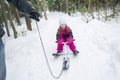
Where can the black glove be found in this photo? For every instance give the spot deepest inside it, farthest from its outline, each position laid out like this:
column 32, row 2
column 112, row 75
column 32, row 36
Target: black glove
column 8, row 0
column 34, row 15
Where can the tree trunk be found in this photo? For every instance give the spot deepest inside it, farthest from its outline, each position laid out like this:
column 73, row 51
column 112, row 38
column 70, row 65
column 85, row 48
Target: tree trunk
column 89, row 5
column 28, row 23
column 66, row 6
column 11, row 23
column 113, row 9
column 13, row 26
column 16, row 13
column 106, row 11
column 6, row 26
column 44, row 7
column 4, row 19
column 78, row 5
column 98, row 10
column 39, row 4
column 59, row 5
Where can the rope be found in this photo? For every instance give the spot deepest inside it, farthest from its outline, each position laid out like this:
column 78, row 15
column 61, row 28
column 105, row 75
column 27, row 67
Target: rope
column 56, row 77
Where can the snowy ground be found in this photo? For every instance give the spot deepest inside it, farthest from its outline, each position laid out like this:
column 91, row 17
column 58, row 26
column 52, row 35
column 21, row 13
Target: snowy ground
column 98, row 43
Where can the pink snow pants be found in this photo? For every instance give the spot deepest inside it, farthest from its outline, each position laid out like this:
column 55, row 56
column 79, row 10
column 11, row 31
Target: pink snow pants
column 70, row 43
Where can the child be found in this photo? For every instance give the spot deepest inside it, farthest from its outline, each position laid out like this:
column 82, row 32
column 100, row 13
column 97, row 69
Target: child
column 64, row 34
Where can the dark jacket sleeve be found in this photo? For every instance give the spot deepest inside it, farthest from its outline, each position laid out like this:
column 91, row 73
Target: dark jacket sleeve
column 1, row 30
column 57, row 35
column 70, row 33
column 26, row 7
column 22, row 5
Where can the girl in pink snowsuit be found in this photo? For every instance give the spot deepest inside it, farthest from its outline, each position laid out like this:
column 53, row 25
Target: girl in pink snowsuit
column 64, row 34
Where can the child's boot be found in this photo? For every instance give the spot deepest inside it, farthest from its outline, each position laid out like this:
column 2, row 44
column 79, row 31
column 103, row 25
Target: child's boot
column 59, row 51
column 75, row 52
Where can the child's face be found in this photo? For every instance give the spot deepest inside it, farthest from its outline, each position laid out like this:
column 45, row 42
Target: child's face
column 63, row 26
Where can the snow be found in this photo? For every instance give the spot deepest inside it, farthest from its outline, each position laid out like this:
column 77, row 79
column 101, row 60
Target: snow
column 97, row 41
